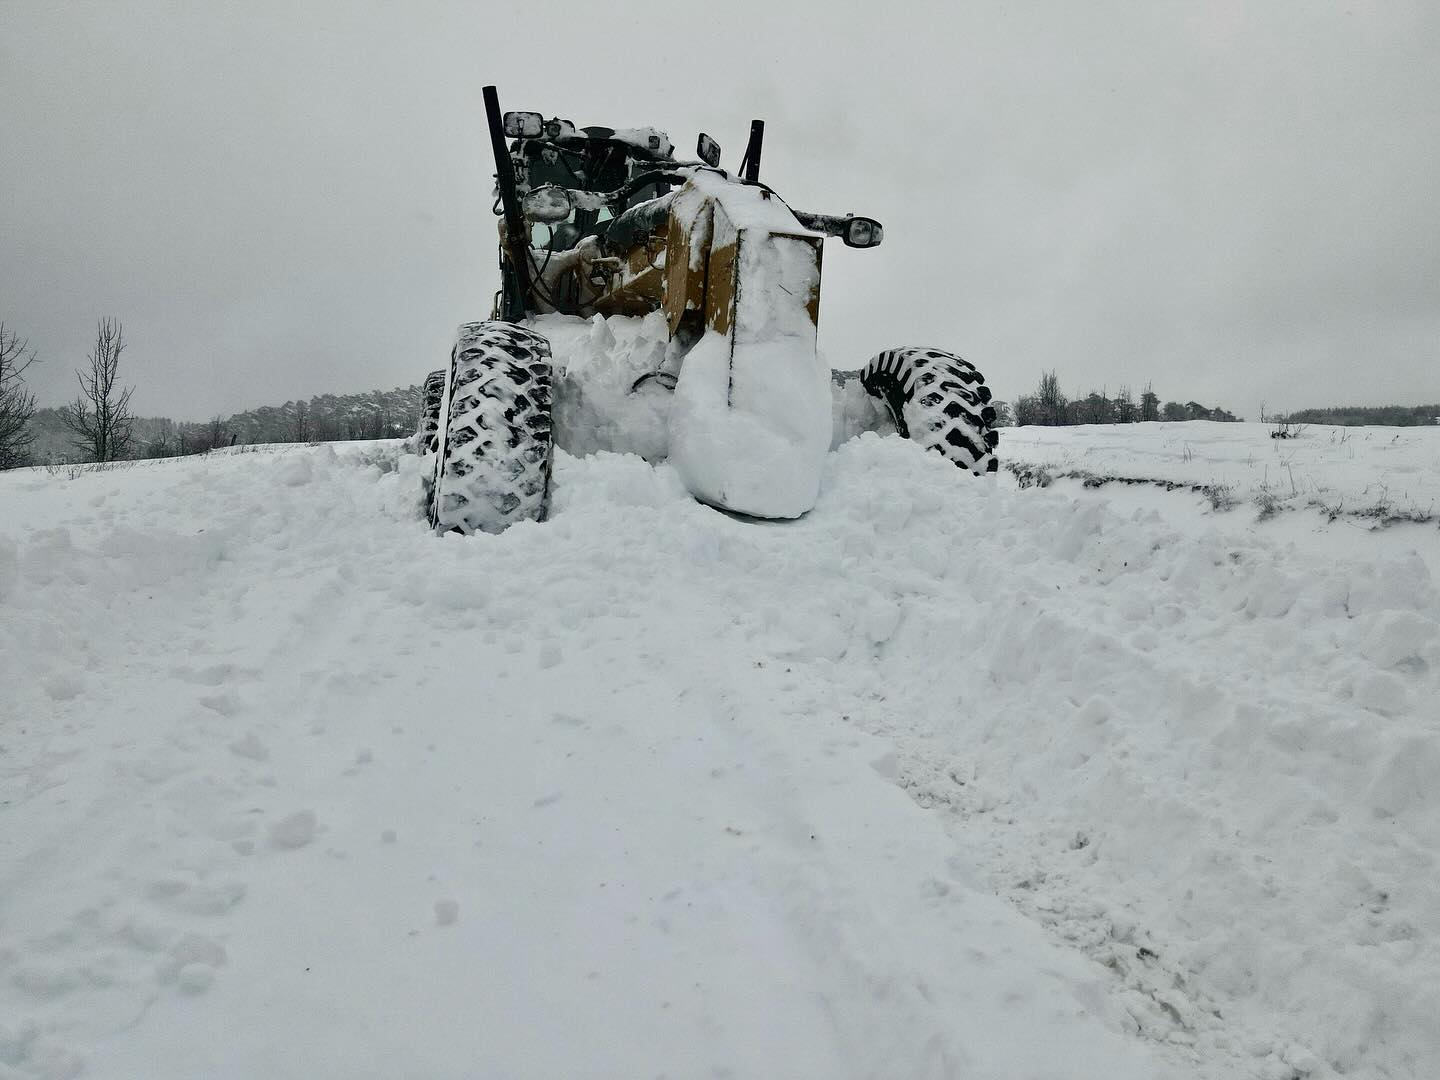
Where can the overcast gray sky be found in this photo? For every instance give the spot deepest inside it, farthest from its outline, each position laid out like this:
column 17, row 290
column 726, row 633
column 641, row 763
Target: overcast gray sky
column 1237, row 201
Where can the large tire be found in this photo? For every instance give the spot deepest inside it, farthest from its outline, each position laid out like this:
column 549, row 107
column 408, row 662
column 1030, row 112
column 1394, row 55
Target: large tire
column 494, row 455
column 939, row 401
column 427, row 436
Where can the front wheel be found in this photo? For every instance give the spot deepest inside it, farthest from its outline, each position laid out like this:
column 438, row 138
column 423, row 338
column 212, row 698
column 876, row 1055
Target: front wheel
column 939, row 401
column 493, row 460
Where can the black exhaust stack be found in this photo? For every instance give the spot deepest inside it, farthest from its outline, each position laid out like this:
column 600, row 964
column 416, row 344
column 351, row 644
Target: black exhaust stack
column 518, row 240
column 750, row 163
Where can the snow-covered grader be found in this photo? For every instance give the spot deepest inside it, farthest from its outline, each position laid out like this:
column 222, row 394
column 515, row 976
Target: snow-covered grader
column 670, row 308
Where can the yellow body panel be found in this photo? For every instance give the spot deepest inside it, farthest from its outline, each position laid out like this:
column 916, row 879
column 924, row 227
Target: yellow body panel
column 678, row 268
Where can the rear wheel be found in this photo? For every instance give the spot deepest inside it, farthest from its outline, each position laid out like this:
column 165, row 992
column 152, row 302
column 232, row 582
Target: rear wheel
column 939, row 401
column 427, row 436
column 494, row 449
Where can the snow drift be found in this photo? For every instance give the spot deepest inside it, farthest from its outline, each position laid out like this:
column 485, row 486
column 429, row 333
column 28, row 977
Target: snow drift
column 943, row 779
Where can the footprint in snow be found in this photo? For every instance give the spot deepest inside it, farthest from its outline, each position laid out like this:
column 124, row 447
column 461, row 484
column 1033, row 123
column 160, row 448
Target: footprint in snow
column 47, row 982
column 177, row 894
column 250, row 746
column 214, row 675
column 226, row 703
column 64, row 687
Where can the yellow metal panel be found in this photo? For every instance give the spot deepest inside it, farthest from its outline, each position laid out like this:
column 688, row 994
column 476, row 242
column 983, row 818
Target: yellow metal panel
column 686, row 267
column 722, row 284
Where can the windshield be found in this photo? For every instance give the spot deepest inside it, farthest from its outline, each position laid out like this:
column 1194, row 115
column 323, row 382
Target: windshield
column 583, row 163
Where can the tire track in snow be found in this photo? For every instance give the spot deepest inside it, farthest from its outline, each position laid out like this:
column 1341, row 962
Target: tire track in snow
column 1154, row 680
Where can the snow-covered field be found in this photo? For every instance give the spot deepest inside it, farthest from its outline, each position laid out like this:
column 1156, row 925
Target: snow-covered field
column 1377, row 474
column 946, row 779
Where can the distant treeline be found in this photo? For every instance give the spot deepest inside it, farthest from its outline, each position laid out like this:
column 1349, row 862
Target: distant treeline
column 1367, row 416
column 377, row 414
column 1052, row 407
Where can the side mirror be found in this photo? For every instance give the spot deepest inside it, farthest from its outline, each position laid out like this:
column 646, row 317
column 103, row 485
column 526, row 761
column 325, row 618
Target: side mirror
column 548, row 204
column 708, row 151
column 862, row 232
column 524, row 125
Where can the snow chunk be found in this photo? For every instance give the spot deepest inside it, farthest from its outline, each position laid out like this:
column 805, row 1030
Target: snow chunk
column 250, row 746
column 1398, row 637
column 195, row 978
column 1407, row 780
column 598, row 362
column 1401, row 584
column 1383, row 692
column 192, row 962
column 1272, row 594
column 294, row 831
column 297, row 471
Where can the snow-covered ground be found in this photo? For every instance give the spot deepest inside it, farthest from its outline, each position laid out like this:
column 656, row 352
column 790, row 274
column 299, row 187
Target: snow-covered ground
column 1377, row 474
column 947, row 778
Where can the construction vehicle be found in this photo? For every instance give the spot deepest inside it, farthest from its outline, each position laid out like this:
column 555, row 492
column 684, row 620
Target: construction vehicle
column 672, row 304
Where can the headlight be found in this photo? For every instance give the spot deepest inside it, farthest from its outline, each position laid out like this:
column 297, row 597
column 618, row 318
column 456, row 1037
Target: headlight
column 547, row 204
column 862, row 232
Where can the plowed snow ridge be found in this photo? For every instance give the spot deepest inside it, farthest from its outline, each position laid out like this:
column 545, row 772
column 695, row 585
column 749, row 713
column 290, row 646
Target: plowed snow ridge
column 944, row 779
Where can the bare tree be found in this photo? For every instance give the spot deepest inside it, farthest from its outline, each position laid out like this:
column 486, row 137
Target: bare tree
column 1149, row 404
column 163, row 444
column 302, row 422
column 100, row 417
column 1124, row 406
column 325, row 420
column 215, row 433
column 1094, row 407
column 1051, row 400
column 17, row 405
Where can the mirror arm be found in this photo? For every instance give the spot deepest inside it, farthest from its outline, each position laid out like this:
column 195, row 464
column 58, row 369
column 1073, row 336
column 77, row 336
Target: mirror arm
column 831, row 225
column 828, row 224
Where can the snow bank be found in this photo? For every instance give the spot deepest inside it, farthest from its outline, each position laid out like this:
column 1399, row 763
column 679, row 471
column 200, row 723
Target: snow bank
column 598, row 362
column 294, row 788
column 1374, row 473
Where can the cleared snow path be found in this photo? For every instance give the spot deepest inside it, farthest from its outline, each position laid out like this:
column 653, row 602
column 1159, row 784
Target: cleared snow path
column 289, row 787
